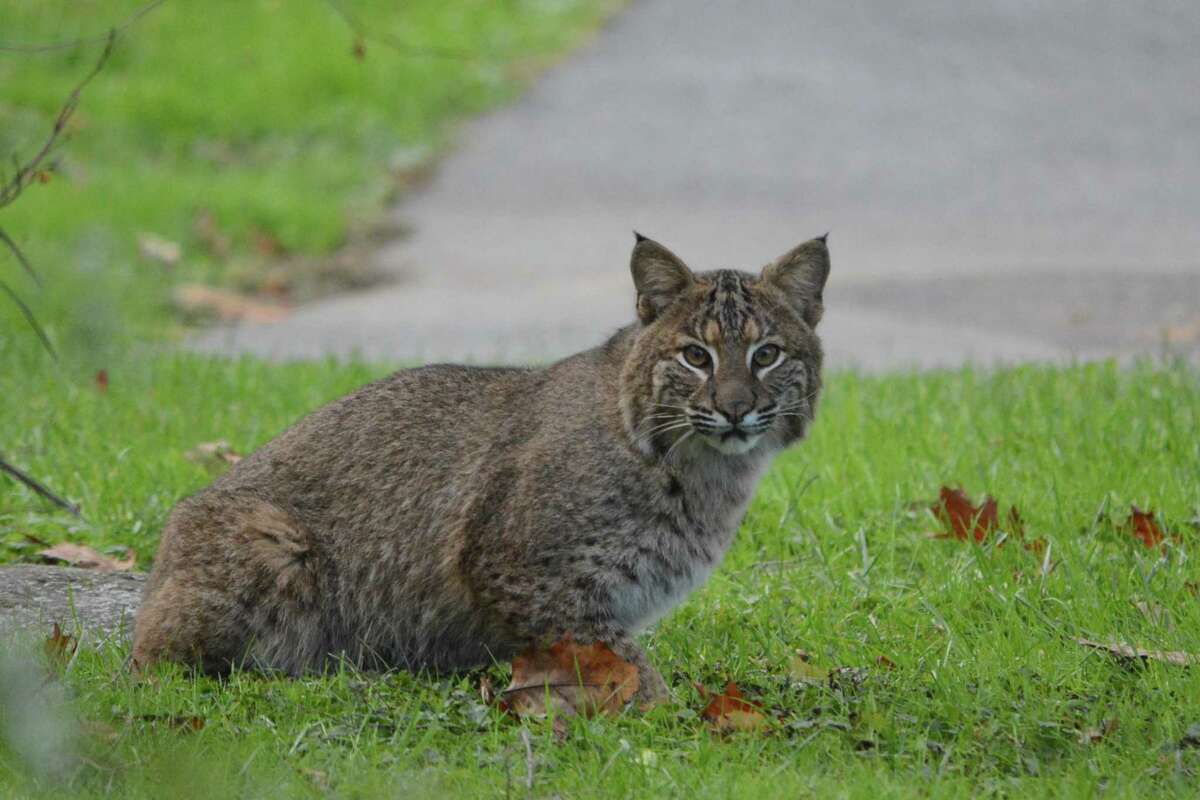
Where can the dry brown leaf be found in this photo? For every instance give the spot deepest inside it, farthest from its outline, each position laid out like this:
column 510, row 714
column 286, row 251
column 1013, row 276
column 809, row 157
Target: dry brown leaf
column 1099, row 732
column 156, row 248
column 218, row 454
column 1143, row 527
column 227, row 305
column 571, row 678
column 729, row 712
column 1129, row 653
column 968, row 521
column 84, row 557
column 59, row 647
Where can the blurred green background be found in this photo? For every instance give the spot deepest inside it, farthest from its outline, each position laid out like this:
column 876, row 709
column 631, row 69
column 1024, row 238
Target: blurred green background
column 262, row 137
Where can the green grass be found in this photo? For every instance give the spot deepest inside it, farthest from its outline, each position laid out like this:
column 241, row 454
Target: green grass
column 988, row 696
column 255, row 112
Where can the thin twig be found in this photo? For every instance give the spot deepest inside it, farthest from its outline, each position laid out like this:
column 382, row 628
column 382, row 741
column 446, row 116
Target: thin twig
column 45, row 47
column 399, row 46
column 19, row 255
column 26, row 174
column 30, row 318
column 40, row 488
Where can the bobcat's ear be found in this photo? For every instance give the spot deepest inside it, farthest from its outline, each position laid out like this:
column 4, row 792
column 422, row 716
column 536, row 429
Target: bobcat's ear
column 659, row 276
column 800, row 274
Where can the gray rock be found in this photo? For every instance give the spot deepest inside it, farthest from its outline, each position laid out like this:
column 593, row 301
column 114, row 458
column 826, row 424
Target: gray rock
column 99, row 603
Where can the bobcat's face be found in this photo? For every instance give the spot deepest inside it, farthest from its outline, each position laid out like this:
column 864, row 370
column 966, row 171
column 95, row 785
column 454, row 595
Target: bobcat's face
column 727, row 358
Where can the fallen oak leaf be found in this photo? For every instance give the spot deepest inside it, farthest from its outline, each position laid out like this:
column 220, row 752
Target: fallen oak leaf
column 1143, row 527
column 967, row 521
column 59, row 647
column 84, row 557
column 570, row 678
column 1126, row 652
column 729, row 712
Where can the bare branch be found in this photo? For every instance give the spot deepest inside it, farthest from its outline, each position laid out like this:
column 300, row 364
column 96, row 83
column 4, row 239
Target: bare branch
column 30, row 318
column 26, row 173
column 38, row 487
column 19, row 255
column 21, row 47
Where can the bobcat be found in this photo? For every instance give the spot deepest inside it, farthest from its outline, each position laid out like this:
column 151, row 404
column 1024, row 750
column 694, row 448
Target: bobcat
column 447, row 516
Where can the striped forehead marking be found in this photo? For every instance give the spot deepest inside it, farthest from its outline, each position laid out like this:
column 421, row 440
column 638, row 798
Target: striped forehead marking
column 728, row 303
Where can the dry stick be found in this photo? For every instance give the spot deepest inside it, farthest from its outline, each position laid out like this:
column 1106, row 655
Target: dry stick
column 32, row 483
column 20, row 256
column 20, row 47
column 30, row 318
column 26, row 174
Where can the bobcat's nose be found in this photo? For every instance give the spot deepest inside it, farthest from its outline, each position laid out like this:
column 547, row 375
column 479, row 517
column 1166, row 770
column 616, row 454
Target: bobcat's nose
column 735, row 411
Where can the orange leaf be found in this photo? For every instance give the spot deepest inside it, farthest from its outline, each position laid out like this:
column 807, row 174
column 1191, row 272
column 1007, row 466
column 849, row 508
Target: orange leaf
column 965, row 519
column 729, row 711
column 102, row 380
column 59, row 647
column 84, row 557
column 570, row 677
column 969, row 521
column 1143, row 527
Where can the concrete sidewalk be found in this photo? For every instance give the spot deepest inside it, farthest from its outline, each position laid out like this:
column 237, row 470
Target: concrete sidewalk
column 1003, row 182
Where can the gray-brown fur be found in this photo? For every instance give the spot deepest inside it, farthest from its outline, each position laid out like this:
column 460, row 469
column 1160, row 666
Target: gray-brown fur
column 447, row 516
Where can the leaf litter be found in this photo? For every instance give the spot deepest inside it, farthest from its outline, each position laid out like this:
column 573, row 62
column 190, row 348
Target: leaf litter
column 83, row 557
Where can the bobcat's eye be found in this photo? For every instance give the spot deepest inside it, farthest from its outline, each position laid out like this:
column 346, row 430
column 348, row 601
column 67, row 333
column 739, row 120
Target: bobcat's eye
column 766, row 355
column 696, row 355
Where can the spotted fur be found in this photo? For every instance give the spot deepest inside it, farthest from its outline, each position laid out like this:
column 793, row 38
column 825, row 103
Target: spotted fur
column 446, row 516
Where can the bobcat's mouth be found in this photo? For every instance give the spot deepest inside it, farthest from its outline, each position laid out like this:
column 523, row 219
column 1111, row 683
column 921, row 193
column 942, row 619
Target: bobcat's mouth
column 732, row 442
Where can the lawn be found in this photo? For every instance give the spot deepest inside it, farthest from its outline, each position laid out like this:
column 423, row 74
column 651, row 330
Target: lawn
column 262, row 137
column 965, row 678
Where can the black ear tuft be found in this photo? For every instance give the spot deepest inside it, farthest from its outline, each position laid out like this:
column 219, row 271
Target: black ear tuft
column 637, row 237
column 824, row 238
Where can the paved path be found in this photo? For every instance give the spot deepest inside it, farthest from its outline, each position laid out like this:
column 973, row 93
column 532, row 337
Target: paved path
column 1003, row 181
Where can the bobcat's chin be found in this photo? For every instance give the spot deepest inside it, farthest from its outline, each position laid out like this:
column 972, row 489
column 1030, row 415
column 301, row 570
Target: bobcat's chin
column 732, row 443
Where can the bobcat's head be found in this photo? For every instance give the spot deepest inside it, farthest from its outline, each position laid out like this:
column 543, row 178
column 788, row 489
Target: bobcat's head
column 726, row 358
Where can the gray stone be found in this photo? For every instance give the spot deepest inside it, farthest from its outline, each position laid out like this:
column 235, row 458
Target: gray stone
column 98, row 603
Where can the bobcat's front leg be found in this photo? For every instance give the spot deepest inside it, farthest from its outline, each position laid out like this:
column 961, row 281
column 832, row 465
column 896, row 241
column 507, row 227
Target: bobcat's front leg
column 652, row 687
